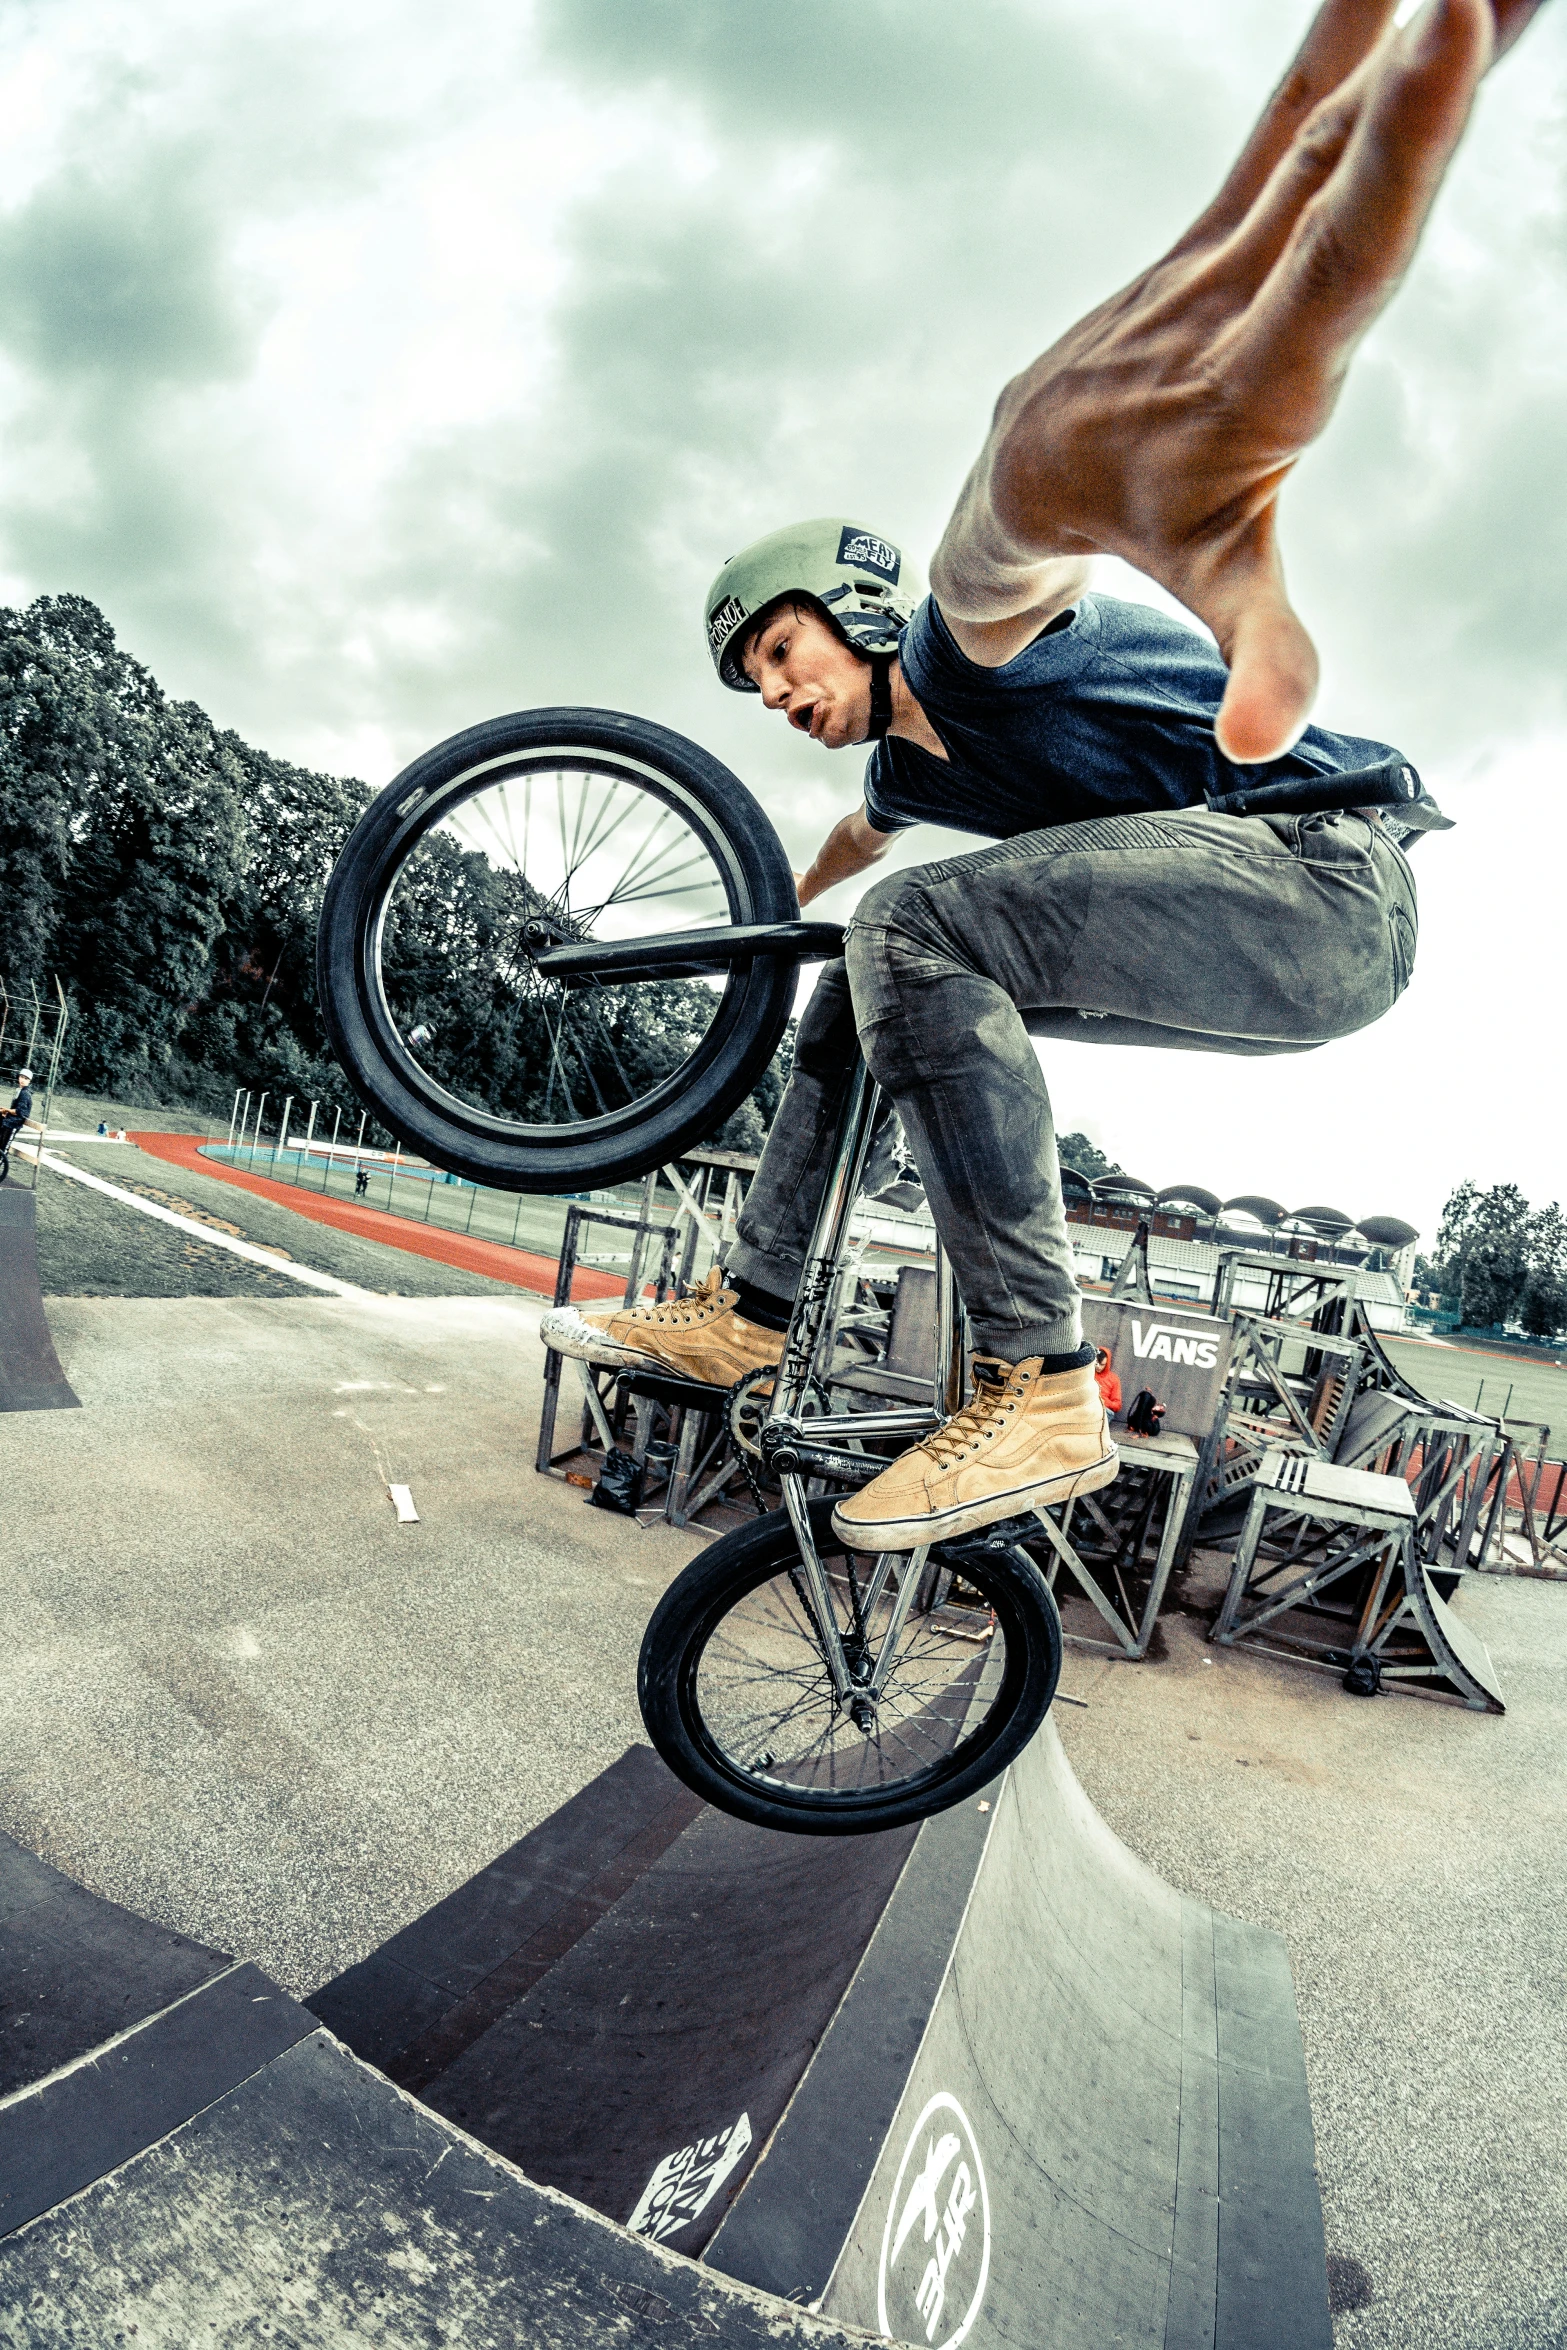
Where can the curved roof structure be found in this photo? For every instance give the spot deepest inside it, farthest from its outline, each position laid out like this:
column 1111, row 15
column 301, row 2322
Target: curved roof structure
column 1253, row 1203
column 1330, row 1222
column 1191, row 1195
column 1123, row 1187
column 1075, row 1183
column 1387, row 1231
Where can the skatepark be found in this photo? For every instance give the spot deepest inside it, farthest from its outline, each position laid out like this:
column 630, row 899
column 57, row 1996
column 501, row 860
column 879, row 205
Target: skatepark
column 1237, row 1995
column 680, row 1673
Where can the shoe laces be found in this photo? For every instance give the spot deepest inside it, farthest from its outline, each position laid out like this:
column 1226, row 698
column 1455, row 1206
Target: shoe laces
column 998, row 1391
column 698, row 1305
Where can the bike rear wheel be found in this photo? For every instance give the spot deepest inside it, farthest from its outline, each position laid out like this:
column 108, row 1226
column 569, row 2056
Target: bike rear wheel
column 736, row 1694
column 535, row 831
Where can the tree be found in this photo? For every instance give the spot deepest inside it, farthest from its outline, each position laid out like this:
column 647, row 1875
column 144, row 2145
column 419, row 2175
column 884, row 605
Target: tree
column 172, row 875
column 1075, row 1150
column 1543, row 1309
column 126, row 897
column 1494, row 1254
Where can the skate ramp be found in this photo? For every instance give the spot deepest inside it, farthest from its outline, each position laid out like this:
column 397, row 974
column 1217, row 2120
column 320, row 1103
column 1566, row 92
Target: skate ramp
column 990, row 2080
column 31, row 1379
column 218, row 2167
column 1097, row 2131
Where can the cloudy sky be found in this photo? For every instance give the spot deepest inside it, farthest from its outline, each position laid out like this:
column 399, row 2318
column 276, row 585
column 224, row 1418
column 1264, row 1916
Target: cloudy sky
column 383, row 369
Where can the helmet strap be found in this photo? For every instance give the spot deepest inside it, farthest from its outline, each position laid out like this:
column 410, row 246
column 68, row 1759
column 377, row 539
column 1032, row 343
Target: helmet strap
column 881, row 695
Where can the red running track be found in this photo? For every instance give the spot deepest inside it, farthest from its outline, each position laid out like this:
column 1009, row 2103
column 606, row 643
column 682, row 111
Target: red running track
column 518, row 1267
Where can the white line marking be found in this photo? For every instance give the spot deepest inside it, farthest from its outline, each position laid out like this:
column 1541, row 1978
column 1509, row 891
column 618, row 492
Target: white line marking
column 236, row 1248
column 402, row 1495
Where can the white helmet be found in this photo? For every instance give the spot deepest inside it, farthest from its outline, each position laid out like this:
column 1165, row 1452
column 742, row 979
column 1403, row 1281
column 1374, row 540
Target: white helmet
column 24, row 1077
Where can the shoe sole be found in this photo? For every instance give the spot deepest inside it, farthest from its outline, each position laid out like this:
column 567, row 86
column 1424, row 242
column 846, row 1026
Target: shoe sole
column 946, row 1525
column 585, row 1345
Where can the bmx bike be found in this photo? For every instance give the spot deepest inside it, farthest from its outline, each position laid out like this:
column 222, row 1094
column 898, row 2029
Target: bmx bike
column 558, row 950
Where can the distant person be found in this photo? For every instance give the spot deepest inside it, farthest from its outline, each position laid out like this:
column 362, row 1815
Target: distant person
column 1105, row 1380
column 361, row 1181
column 15, row 1118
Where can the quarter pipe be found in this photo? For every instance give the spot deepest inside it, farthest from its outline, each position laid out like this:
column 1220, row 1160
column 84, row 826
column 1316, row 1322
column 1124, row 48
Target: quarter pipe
column 990, row 2081
column 31, row 1379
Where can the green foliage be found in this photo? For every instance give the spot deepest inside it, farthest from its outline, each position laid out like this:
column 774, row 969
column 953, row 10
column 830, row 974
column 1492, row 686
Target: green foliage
column 1075, row 1150
column 1499, row 1260
column 172, row 876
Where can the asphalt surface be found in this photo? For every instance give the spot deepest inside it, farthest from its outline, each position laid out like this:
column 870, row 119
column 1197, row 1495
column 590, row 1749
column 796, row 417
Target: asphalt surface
column 239, row 1697
column 236, row 1694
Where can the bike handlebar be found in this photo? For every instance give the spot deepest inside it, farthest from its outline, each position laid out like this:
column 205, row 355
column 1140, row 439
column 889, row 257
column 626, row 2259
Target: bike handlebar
column 1393, row 784
column 691, row 954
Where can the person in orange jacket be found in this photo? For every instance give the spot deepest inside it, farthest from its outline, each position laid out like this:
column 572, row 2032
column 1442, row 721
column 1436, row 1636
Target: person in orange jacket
column 1105, row 1380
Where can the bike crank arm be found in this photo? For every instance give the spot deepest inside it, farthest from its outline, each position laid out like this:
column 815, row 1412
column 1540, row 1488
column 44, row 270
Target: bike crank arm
column 910, row 1420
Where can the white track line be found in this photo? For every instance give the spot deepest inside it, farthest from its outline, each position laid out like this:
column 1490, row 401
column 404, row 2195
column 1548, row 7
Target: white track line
column 236, row 1248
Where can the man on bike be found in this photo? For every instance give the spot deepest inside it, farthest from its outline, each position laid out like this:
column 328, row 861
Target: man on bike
column 15, row 1118
column 1083, row 736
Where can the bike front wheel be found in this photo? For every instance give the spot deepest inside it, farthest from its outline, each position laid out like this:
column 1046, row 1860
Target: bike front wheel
column 545, row 829
column 738, row 1698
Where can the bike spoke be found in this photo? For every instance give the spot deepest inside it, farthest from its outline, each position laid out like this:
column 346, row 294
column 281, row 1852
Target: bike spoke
column 763, row 1684
column 552, row 855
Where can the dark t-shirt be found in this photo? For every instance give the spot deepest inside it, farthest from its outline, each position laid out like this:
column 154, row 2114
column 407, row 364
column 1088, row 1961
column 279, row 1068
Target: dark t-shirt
column 22, row 1107
column 1110, row 713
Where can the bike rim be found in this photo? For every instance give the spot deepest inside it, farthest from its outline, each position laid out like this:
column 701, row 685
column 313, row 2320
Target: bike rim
column 545, row 848
column 759, row 1702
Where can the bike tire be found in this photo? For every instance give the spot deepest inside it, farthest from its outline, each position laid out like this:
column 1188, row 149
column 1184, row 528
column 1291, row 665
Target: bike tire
column 712, row 1590
column 682, row 1106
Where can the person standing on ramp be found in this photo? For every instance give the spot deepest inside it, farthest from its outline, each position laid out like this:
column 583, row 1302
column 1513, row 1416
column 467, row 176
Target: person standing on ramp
column 1083, row 736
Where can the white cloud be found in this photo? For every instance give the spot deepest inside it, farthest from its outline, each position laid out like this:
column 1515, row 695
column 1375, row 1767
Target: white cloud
column 381, row 372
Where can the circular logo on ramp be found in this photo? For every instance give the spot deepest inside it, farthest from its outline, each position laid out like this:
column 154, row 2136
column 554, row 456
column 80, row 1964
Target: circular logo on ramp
column 935, row 2247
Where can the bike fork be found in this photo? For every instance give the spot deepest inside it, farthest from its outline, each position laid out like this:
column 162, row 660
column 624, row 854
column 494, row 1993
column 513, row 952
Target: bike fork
column 785, row 1427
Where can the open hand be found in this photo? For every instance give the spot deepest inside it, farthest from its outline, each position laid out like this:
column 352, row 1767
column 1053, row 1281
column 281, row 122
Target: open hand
column 1162, row 426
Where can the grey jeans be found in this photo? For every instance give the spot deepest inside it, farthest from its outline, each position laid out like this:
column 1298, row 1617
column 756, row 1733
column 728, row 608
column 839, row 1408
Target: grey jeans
column 1231, row 934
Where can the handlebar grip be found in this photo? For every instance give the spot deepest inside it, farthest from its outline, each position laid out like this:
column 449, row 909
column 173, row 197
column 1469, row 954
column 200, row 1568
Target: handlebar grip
column 1393, row 784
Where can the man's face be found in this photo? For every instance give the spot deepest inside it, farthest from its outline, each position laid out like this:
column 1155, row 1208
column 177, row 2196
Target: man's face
column 804, row 668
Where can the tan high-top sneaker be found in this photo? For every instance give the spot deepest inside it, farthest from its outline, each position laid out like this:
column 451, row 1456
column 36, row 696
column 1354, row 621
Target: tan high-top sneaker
column 700, row 1336
column 1025, row 1438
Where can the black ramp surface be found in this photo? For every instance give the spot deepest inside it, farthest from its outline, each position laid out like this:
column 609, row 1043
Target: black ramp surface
column 425, row 1996
column 75, row 1970
column 674, row 2032
column 79, row 2124
column 31, row 1379
column 1104, row 2137
column 316, row 2205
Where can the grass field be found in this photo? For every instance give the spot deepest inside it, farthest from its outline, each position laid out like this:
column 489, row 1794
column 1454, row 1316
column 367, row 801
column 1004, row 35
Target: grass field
column 1507, row 1383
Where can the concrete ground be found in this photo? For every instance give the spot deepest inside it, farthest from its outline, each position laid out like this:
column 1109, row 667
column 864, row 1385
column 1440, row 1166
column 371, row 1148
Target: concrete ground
column 237, row 1695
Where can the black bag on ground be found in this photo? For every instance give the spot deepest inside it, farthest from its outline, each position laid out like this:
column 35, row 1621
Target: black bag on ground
column 619, row 1484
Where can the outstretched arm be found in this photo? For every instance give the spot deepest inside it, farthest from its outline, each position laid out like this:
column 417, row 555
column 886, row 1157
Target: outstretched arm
column 1163, row 425
column 852, row 845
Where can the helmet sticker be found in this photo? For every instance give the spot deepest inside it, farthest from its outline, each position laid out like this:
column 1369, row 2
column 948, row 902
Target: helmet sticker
column 859, row 550
column 722, row 624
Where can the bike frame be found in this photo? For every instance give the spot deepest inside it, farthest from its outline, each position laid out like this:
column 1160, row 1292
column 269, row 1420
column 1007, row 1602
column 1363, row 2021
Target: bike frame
column 796, row 1448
